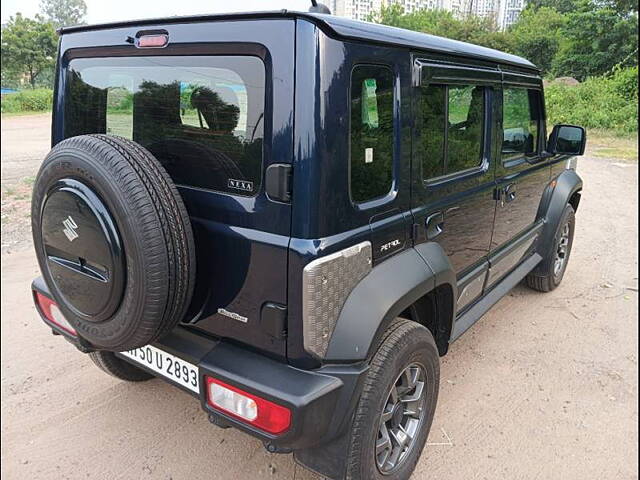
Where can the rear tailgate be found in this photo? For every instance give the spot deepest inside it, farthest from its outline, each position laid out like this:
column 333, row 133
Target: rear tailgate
column 215, row 107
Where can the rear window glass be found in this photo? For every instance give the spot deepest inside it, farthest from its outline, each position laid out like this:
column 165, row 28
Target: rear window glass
column 371, row 132
column 202, row 117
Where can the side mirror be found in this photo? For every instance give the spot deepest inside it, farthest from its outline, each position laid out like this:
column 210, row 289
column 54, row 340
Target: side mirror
column 567, row 140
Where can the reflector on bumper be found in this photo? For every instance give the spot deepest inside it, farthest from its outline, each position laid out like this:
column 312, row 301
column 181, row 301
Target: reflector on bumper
column 51, row 312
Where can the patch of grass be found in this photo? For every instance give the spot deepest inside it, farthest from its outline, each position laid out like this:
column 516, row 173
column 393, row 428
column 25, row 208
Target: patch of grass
column 610, row 144
column 10, row 191
column 24, row 114
column 29, row 180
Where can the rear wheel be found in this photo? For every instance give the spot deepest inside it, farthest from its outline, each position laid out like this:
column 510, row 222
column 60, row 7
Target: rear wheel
column 551, row 271
column 397, row 404
column 116, row 367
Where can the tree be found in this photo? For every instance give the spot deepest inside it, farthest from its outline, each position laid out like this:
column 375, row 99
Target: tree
column 473, row 29
column 28, row 48
column 562, row 6
column 537, row 36
column 64, row 12
column 596, row 40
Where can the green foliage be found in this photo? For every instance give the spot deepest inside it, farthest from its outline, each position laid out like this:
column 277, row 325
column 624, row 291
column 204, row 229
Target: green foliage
column 473, row 29
column 609, row 102
column 38, row 100
column 561, row 6
column 28, row 49
column 577, row 38
column 595, row 40
column 64, row 12
column 537, row 36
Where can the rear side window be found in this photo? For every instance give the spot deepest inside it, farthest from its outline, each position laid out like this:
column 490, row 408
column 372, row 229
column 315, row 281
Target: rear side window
column 451, row 128
column 202, row 117
column 521, row 122
column 371, row 132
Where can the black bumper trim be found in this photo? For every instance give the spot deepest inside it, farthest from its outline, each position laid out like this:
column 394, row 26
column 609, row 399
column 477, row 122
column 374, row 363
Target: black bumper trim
column 321, row 401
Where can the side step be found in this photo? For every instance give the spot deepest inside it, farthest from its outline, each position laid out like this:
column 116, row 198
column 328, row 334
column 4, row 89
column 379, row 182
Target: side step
column 474, row 313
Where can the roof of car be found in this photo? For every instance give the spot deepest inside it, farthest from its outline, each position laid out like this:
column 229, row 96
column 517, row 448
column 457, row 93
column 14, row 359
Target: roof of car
column 344, row 28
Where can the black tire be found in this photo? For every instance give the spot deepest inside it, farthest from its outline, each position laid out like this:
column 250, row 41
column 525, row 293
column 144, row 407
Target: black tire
column 547, row 277
column 157, row 266
column 116, row 367
column 404, row 344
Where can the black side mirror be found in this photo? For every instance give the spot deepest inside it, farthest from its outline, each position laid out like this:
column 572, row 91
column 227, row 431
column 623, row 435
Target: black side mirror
column 567, row 140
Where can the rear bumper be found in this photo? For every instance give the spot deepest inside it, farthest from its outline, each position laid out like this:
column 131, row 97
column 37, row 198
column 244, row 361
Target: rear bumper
column 321, row 401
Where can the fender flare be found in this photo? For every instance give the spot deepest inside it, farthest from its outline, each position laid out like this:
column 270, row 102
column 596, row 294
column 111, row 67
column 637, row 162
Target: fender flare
column 557, row 198
column 382, row 295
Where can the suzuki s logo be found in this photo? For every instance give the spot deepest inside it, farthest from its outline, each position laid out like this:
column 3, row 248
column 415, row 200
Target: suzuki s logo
column 70, row 228
column 243, row 185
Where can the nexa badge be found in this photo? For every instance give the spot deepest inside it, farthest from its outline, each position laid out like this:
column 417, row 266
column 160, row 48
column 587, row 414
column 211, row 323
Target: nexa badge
column 243, row 185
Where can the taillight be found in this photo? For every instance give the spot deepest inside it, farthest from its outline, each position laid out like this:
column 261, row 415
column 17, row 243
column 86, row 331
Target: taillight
column 52, row 313
column 248, row 408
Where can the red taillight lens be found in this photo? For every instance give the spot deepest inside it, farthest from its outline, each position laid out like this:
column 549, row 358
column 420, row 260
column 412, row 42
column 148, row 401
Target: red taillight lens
column 248, row 408
column 152, row 41
column 50, row 310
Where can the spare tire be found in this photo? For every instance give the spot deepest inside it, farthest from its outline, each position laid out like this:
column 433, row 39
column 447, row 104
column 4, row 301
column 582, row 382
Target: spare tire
column 113, row 240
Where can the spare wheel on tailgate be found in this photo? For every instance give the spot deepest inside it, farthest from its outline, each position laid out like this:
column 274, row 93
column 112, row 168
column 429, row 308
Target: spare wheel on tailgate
column 113, row 240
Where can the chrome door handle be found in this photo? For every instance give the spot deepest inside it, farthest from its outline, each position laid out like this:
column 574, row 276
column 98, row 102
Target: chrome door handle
column 435, row 225
column 510, row 193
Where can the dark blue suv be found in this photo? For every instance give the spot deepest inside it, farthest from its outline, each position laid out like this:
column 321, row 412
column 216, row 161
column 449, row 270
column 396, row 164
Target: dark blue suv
column 291, row 216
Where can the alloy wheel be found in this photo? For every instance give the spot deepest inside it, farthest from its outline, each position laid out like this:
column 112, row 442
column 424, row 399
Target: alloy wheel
column 401, row 418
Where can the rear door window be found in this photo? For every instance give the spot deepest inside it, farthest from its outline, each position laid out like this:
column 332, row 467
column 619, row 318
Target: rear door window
column 452, row 128
column 201, row 116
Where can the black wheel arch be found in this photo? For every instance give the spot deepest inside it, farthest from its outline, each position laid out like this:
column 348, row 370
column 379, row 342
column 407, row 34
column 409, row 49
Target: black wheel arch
column 417, row 283
column 565, row 189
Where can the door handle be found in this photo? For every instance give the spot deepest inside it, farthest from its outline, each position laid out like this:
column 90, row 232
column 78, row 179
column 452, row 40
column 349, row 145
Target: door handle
column 435, row 225
column 510, row 193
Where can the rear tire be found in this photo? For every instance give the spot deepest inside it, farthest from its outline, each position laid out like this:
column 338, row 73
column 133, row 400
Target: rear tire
column 382, row 415
column 116, row 367
column 553, row 266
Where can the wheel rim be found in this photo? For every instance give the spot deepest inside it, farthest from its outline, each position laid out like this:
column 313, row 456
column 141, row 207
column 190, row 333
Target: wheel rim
column 562, row 251
column 401, row 418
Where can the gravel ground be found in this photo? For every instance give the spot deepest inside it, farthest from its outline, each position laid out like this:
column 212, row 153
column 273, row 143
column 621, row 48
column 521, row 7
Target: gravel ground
column 544, row 386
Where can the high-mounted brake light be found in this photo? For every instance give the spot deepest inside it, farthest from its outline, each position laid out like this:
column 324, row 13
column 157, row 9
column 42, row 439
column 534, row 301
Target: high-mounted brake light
column 50, row 310
column 152, row 41
column 248, row 408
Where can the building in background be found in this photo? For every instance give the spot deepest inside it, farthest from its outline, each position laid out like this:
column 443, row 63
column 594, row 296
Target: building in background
column 509, row 12
column 505, row 12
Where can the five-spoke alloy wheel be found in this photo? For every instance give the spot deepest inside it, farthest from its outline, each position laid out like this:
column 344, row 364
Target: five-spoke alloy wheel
column 394, row 414
column 401, row 418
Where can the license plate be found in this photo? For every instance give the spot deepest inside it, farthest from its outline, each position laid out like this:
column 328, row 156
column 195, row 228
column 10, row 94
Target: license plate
column 169, row 366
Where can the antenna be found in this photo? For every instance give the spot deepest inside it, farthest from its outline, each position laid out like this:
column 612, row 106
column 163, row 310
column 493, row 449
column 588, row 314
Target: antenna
column 319, row 8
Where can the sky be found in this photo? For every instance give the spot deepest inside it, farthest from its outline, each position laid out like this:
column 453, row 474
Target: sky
column 99, row 11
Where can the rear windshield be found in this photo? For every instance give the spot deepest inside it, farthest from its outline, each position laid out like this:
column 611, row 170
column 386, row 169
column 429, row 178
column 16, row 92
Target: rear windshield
column 202, row 117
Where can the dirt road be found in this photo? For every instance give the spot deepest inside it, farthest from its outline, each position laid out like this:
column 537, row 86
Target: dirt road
column 543, row 387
